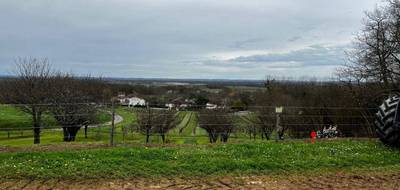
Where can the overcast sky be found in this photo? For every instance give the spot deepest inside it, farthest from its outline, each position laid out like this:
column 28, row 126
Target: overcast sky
column 227, row 39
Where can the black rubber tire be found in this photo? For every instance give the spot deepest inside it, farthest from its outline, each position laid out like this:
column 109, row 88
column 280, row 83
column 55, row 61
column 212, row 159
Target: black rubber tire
column 386, row 129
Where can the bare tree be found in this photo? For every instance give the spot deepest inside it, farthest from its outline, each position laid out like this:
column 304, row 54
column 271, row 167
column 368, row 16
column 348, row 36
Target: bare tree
column 156, row 122
column 218, row 123
column 262, row 122
column 29, row 90
column 73, row 102
column 375, row 56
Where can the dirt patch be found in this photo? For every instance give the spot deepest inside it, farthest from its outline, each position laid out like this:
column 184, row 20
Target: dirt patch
column 334, row 181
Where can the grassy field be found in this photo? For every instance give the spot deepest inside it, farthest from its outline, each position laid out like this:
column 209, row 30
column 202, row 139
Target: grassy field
column 15, row 128
column 186, row 154
column 13, row 118
column 190, row 161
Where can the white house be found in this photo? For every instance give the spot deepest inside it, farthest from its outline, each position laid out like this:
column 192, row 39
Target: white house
column 133, row 101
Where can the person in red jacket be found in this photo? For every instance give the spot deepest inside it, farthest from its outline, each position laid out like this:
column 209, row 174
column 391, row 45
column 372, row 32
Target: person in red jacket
column 313, row 135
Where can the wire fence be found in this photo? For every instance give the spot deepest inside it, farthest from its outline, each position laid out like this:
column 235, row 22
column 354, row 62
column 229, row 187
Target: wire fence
column 194, row 125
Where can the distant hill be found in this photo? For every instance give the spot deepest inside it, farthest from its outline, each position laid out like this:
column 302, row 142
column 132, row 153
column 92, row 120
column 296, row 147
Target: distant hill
column 162, row 81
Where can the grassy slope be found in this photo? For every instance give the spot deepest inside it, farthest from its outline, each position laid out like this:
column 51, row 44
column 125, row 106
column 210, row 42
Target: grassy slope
column 13, row 118
column 183, row 117
column 191, row 133
column 230, row 159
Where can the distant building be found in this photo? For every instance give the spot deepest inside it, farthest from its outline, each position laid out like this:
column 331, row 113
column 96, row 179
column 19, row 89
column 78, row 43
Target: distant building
column 211, row 106
column 170, row 106
column 132, row 102
column 121, row 95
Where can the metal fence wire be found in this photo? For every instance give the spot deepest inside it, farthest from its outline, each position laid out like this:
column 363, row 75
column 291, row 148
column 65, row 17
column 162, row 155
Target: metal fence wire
column 125, row 125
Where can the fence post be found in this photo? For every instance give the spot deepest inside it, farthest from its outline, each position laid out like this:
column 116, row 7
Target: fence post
column 123, row 134
column 86, row 128
column 278, row 127
column 112, row 123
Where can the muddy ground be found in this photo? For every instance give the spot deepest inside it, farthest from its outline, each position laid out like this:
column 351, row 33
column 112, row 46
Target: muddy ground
column 334, row 181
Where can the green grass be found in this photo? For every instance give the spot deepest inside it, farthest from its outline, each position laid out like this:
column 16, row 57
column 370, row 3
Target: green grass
column 128, row 114
column 196, row 161
column 12, row 118
column 103, row 118
column 182, row 119
column 187, row 131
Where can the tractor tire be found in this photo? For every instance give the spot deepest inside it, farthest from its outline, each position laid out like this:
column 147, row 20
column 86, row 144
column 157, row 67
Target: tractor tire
column 387, row 128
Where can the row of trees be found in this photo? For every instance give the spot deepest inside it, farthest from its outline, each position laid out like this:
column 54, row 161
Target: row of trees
column 156, row 121
column 218, row 123
column 38, row 89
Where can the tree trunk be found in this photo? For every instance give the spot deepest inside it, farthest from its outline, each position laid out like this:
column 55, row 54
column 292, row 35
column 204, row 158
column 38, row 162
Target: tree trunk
column 36, row 127
column 163, row 138
column 266, row 136
column 36, row 135
column 147, row 138
column 147, row 135
column 224, row 137
column 86, row 128
column 214, row 137
column 70, row 133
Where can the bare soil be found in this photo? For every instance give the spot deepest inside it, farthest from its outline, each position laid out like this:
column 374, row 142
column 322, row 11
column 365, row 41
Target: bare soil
column 335, row 181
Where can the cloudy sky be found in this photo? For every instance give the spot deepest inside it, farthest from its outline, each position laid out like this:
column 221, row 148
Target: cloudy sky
column 229, row 39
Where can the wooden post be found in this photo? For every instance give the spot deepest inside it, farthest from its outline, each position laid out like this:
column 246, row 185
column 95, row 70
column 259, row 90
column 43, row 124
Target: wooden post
column 123, row 134
column 278, row 127
column 86, row 128
column 112, row 124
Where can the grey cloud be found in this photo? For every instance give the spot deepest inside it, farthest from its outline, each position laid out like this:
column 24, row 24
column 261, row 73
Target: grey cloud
column 242, row 43
column 315, row 60
column 294, row 38
column 149, row 38
column 315, row 55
